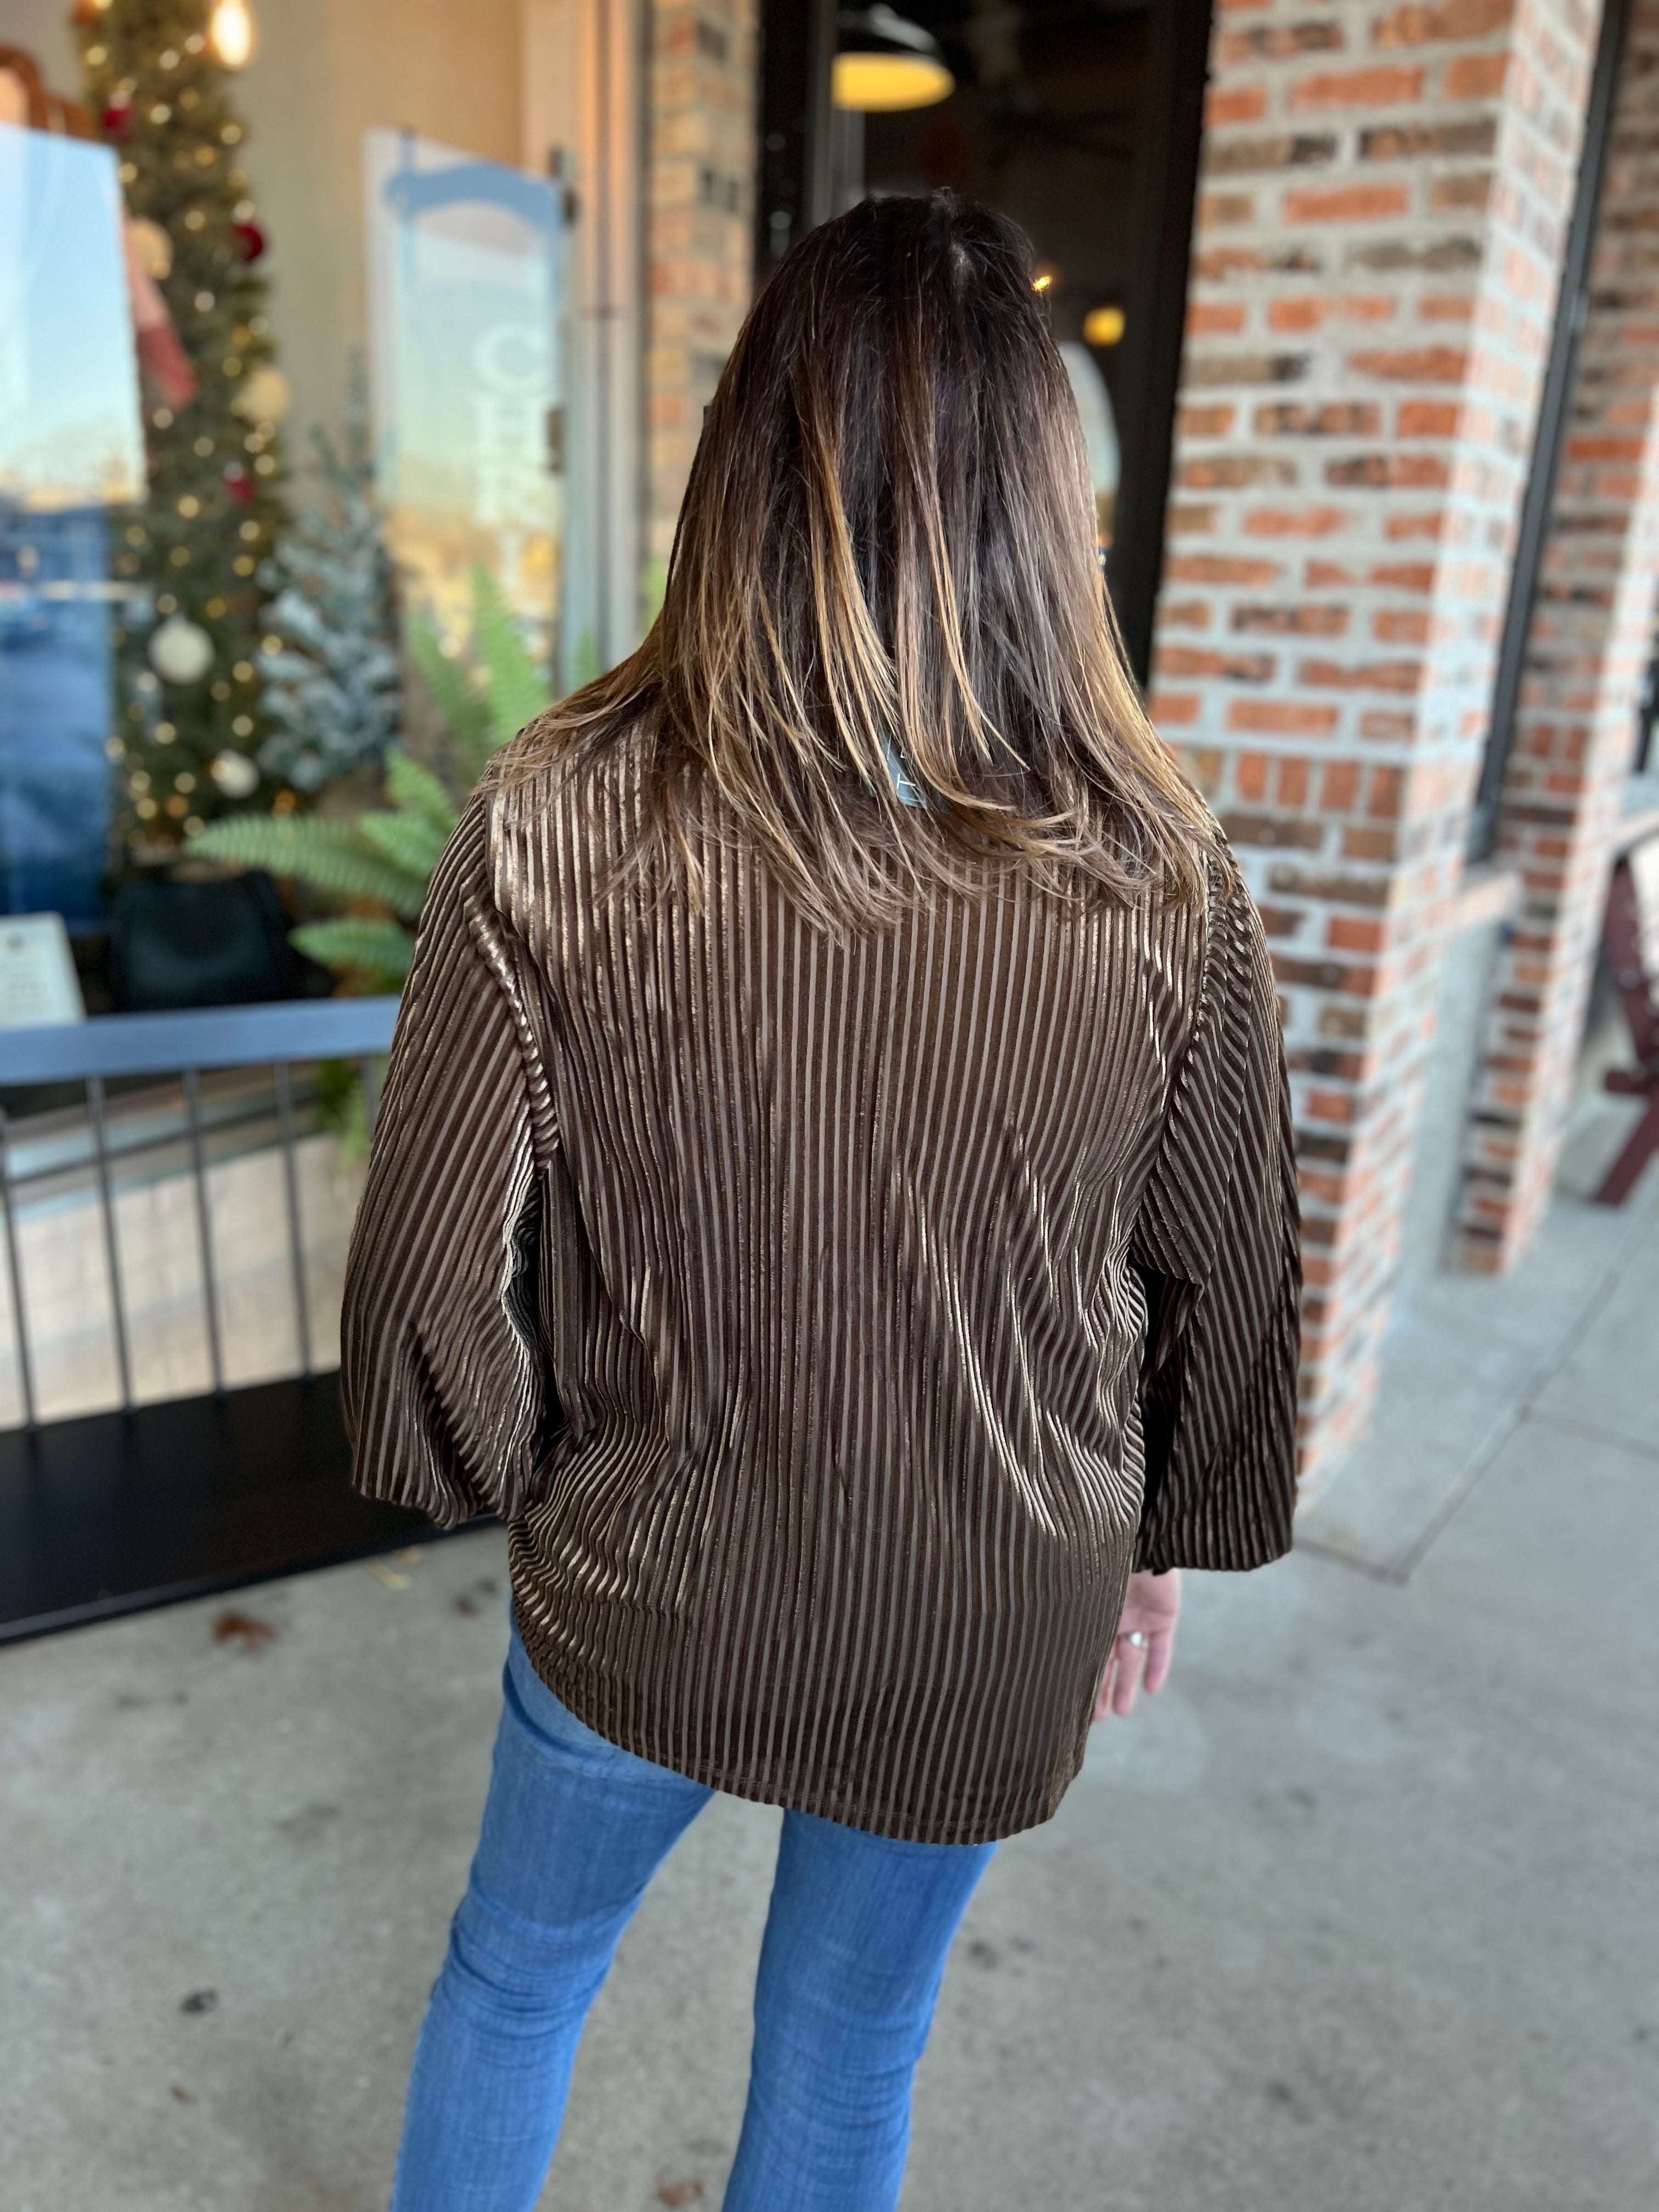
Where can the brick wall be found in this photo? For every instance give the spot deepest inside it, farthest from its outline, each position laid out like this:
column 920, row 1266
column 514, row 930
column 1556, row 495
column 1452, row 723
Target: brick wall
column 700, row 197
column 1382, row 215
column 1587, row 647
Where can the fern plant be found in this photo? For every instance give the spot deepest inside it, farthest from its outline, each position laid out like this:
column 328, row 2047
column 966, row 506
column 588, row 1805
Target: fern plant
column 385, row 857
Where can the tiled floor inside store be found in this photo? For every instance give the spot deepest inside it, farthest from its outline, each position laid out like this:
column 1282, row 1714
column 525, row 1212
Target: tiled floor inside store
column 1358, row 1915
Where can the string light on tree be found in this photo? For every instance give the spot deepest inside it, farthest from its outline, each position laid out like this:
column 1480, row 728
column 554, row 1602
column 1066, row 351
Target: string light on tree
column 231, row 34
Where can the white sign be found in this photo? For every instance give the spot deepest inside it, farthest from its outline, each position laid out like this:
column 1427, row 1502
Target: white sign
column 39, row 987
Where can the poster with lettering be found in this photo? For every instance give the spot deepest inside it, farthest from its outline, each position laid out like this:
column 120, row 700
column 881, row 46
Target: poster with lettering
column 466, row 265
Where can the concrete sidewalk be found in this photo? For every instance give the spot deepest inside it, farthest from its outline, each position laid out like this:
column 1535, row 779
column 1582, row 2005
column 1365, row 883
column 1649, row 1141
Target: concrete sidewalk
column 1360, row 1915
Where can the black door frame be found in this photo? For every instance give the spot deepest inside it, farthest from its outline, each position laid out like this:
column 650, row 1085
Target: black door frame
column 1166, row 192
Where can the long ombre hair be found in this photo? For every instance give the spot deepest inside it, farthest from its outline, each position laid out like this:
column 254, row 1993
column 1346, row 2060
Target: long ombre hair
column 885, row 649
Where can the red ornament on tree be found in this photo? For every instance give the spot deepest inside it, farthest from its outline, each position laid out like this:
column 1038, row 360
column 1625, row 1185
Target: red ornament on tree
column 238, row 484
column 115, row 120
column 250, row 239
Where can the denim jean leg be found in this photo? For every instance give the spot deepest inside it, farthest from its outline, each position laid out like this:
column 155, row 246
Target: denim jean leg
column 574, row 1830
column 850, row 1971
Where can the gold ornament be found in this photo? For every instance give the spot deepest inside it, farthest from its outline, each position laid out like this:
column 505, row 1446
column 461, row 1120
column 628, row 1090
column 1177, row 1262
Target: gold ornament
column 266, row 396
column 154, row 248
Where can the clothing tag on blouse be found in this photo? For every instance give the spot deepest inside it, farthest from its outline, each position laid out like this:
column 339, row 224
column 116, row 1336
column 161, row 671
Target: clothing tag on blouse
column 909, row 793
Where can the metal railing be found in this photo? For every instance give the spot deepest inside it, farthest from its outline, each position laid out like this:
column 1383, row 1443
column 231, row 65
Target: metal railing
column 185, row 1046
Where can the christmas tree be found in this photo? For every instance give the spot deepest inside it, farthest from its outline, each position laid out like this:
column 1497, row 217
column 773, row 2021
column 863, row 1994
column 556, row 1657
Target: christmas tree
column 191, row 725
column 332, row 689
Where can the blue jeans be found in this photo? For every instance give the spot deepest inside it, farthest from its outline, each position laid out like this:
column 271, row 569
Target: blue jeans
column 573, row 1831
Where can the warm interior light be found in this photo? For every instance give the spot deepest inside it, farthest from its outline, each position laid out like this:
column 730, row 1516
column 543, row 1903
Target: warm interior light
column 230, row 33
column 1102, row 326
column 878, row 84
column 1042, row 283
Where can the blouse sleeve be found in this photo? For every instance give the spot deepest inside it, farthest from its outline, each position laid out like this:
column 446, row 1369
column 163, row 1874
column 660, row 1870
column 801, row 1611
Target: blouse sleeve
column 444, row 1374
column 1218, row 1247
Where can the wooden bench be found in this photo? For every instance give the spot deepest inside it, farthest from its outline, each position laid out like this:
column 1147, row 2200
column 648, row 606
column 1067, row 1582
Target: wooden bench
column 1632, row 937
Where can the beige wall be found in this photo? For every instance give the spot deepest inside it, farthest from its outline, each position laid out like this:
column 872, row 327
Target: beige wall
column 326, row 71
column 42, row 29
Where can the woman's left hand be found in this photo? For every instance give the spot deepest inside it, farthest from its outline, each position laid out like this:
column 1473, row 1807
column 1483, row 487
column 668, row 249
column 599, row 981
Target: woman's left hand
column 1144, row 1645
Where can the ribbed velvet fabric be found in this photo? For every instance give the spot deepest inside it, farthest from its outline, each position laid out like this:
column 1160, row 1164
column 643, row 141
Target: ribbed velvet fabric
column 833, row 1323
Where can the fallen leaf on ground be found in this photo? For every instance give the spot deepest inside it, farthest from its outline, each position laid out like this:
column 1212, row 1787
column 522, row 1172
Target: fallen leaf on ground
column 682, row 2192
column 245, row 1629
column 199, row 2000
column 181, row 2094
column 390, row 1575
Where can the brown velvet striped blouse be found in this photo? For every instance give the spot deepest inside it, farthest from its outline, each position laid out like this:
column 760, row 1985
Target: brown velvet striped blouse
column 833, row 1322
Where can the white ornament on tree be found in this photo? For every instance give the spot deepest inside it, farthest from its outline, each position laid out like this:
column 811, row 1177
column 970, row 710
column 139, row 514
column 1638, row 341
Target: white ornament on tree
column 180, row 651
column 236, row 775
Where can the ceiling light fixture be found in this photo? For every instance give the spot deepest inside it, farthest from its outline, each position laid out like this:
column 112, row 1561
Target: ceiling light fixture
column 884, row 63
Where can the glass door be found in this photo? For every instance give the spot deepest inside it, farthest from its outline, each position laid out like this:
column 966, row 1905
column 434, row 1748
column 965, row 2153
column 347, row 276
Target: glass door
column 1081, row 119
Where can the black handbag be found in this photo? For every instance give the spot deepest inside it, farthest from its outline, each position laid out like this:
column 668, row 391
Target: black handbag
column 225, row 943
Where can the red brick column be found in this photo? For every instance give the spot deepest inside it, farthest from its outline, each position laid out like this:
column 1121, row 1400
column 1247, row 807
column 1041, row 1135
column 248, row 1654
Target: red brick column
column 700, row 202
column 1587, row 647
column 1380, row 223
